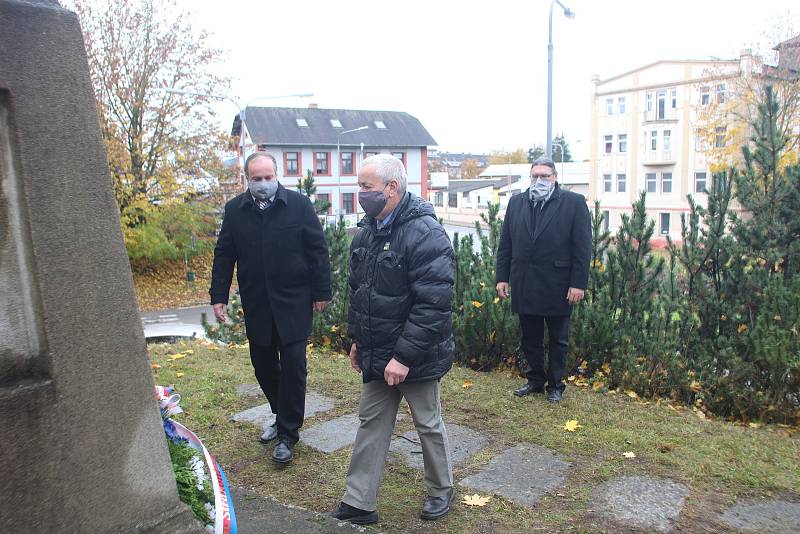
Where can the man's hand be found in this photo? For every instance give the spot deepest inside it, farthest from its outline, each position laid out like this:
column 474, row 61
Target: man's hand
column 320, row 305
column 354, row 358
column 574, row 295
column 220, row 312
column 395, row 372
column 502, row 290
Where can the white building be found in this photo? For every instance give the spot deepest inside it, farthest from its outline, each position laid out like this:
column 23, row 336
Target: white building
column 645, row 137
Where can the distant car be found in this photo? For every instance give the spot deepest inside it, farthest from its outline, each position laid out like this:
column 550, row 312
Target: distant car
column 172, row 332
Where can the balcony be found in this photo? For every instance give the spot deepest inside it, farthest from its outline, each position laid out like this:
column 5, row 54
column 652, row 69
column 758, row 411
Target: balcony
column 658, row 157
column 668, row 115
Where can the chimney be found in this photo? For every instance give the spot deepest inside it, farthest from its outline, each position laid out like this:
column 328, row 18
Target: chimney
column 746, row 61
column 313, row 106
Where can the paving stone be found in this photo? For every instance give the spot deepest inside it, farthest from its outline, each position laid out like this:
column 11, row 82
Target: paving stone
column 523, row 474
column 763, row 516
column 332, row 435
column 463, row 441
column 641, row 501
column 250, row 391
column 262, row 415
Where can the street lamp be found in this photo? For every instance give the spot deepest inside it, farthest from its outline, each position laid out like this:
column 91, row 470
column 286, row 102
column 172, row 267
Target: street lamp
column 570, row 15
column 241, row 110
column 339, row 163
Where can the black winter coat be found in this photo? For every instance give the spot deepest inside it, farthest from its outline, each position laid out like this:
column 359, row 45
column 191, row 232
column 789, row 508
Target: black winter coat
column 542, row 265
column 401, row 289
column 281, row 263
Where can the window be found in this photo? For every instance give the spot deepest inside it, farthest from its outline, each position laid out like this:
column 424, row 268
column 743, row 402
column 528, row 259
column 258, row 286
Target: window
column 667, row 140
column 322, row 162
column 722, row 97
column 452, row 200
column 673, row 98
column 621, row 185
column 666, row 182
column 698, row 140
column 401, row 156
column 291, row 163
column 325, row 198
column 621, row 104
column 438, row 199
column 649, row 101
column 348, row 202
column 663, row 227
column 608, row 141
column 719, row 137
column 699, row 182
column 347, row 163
column 650, row 179
column 369, row 153
column 623, row 142
column 302, row 123
column 465, row 195
column 607, row 183
column 705, row 95
column 661, row 108
column 336, row 123
column 609, row 106
column 653, row 141
column 606, row 220
column 380, row 125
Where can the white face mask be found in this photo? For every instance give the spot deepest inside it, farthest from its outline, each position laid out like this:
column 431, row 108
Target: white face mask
column 263, row 189
column 540, row 188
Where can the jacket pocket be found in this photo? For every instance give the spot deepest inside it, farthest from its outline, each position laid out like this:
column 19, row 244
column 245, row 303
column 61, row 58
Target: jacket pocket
column 357, row 264
column 391, row 277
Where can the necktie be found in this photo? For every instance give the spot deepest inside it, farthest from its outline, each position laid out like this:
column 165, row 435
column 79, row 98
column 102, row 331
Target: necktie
column 263, row 204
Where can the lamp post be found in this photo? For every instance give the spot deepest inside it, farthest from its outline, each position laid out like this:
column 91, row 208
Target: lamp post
column 339, row 164
column 570, row 15
column 241, row 112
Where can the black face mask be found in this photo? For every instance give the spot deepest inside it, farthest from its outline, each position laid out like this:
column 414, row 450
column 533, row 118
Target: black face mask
column 372, row 202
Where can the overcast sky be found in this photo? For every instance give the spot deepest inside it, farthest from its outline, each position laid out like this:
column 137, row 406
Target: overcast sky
column 474, row 73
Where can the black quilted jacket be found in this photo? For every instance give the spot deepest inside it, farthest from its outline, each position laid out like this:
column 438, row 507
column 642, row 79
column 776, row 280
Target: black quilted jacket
column 401, row 289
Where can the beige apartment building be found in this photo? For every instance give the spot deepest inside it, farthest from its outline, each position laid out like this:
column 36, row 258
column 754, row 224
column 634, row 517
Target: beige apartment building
column 647, row 134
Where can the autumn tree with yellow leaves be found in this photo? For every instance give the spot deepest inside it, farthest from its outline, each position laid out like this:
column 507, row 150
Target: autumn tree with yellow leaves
column 160, row 145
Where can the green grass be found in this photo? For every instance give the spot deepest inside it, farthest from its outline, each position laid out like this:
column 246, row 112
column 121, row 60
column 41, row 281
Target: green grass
column 719, row 461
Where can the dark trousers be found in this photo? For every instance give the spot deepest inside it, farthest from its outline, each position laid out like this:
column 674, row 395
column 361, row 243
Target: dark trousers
column 533, row 346
column 281, row 373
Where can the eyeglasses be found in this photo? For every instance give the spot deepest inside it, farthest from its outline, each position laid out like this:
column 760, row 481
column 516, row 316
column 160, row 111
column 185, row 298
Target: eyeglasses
column 543, row 176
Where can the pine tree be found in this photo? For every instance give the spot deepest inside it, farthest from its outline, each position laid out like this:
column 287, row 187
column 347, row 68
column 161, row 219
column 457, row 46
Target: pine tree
column 307, row 187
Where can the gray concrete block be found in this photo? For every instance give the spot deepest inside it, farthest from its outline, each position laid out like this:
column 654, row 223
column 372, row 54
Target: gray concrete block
column 262, row 415
column 332, row 435
column 769, row 515
column 640, row 501
column 523, row 474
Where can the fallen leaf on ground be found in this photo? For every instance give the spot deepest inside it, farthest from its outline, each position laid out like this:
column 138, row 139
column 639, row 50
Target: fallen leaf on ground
column 632, row 394
column 572, row 425
column 179, row 375
column 176, row 357
column 475, row 500
column 629, row 454
column 155, row 366
column 754, row 425
column 598, row 385
column 477, row 304
column 466, row 384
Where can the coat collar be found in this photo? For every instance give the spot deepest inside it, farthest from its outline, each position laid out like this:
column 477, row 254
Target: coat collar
column 553, row 203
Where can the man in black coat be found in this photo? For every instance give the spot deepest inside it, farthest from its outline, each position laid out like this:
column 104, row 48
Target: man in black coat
column 401, row 289
column 544, row 252
column 275, row 240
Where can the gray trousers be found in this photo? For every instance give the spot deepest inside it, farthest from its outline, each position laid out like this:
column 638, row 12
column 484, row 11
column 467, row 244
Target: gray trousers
column 378, row 411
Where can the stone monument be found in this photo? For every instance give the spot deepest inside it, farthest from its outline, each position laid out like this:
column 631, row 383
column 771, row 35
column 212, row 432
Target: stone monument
column 81, row 443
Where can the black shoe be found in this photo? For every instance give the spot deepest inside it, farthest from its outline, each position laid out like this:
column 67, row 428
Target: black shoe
column 527, row 389
column 357, row 516
column 283, row 453
column 270, row 433
column 436, row 507
column 554, row 396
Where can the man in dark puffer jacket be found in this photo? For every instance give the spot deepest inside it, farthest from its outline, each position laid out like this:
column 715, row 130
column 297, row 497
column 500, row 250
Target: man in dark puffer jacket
column 401, row 288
